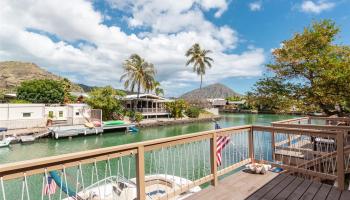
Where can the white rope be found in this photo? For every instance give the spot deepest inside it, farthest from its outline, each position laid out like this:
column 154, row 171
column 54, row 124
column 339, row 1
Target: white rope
column 199, row 159
column 97, row 179
column 42, row 188
column 26, row 183
column 77, row 183
column 65, row 179
column 82, row 177
column 203, row 152
column 3, row 188
column 61, row 176
column 22, row 193
column 180, row 170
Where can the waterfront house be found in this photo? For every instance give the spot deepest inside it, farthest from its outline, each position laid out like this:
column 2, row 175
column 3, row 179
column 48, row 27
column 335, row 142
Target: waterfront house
column 217, row 103
column 17, row 116
column 150, row 105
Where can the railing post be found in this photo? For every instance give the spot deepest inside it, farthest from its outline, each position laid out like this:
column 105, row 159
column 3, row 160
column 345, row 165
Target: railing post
column 251, row 144
column 140, row 173
column 273, row 144
column 213, row 158
column 340, row 161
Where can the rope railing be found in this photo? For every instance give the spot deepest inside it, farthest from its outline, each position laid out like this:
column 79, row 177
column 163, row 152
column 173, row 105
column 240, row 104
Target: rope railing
column 308, row 153
column 170, row 168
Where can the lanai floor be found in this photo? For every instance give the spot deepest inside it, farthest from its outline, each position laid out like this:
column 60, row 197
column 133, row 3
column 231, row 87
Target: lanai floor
column 271, row 186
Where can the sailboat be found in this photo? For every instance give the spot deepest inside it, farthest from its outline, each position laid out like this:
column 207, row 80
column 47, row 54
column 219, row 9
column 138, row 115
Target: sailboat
column 118, row 187
column 4, row 142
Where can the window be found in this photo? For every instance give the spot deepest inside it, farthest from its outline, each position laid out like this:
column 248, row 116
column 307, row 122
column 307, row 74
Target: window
column 60, row 114
column 51, row 114
column 27, row 114
column 77, row 113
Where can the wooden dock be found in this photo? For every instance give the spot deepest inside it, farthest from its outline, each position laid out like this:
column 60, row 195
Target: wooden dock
column 271, row 186
column 75, row 130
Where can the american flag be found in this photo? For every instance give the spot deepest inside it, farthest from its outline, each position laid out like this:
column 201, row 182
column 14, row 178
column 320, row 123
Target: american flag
column 50, row 187
column 221, row 142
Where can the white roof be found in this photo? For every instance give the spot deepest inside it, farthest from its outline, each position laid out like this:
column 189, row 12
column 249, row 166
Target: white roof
column 237, row 102
column 145, row 96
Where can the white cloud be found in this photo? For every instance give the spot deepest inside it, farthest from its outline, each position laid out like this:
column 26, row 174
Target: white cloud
column 316, row 6
column 255, row 6
column 173, row 28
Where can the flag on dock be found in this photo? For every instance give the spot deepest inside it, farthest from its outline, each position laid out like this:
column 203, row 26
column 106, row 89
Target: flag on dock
column 50, row 187
column 221, row 142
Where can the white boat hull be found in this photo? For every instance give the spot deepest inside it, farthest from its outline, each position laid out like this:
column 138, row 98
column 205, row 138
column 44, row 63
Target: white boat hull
column 156, row 186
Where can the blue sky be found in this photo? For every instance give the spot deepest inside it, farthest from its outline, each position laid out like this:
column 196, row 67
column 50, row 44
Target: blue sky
column 87, row 41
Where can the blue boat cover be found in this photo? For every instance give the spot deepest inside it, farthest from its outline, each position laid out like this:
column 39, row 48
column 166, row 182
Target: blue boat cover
column 3, row 129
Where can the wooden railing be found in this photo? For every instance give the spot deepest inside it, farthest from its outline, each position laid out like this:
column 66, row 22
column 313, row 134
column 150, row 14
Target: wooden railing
column 192, row 157
column 319, row 123
column 152, row 110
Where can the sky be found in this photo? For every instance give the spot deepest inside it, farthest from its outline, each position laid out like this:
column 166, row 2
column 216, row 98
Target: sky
column 88, row 41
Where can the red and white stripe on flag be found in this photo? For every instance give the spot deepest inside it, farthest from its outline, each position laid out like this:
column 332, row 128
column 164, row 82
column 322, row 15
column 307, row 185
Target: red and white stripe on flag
column 221, row 142
column 50, row 187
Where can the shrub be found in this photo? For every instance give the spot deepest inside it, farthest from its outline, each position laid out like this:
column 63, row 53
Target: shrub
column 177, row 108
column 138, row 117
column 193, row 112
column 105, row 99
column 41, row 91
column 19, row 101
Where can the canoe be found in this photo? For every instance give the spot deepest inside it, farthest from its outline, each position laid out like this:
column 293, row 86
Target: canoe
column 113, row 123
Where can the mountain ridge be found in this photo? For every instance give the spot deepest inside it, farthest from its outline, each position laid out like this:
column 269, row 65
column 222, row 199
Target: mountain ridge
column 216, row 90
column 13, row 73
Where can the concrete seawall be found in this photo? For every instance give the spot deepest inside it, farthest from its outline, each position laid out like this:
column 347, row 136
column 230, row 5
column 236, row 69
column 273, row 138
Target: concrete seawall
column 177, row 121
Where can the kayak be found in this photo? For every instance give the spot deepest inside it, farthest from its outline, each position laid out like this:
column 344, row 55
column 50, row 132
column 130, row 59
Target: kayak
column 114, row 122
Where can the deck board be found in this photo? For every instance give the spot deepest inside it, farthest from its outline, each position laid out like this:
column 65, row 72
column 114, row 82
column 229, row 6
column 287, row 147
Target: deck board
column 289, row 189
column 278, row 188
column 323, row 192
column 264, row 190
column 299, row 191
column 334, row 194
column 311, row 191
column 271, row 186
column 345, row 195
column 237, row 186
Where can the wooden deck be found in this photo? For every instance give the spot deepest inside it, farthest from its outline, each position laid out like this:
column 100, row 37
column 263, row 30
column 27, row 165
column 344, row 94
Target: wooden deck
column 235, row 187
column 272, row 186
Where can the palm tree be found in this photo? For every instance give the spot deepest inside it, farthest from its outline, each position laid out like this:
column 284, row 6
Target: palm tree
column 198, row 57
column 157, row 89
column 137, row 74
column 155, row 86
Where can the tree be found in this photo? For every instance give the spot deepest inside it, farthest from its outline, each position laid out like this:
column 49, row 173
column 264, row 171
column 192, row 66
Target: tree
column 2, row 95
column 156, row 88
column 106, row 99
column 41, row 91
column 200, row 60
column 315, row 70
column 138, row 74
column 176, row 108
column 67, row 87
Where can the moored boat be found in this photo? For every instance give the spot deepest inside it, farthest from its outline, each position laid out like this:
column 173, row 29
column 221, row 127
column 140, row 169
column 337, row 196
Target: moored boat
column 118, row 187
column 5, row 142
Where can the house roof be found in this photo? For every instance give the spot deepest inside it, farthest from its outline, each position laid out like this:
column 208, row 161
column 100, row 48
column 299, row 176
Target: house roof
column 237, row 102
column 145, row 96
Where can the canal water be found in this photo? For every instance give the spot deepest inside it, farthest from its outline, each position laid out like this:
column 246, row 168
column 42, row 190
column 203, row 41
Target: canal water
column 49, row 147
column 187, row 161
